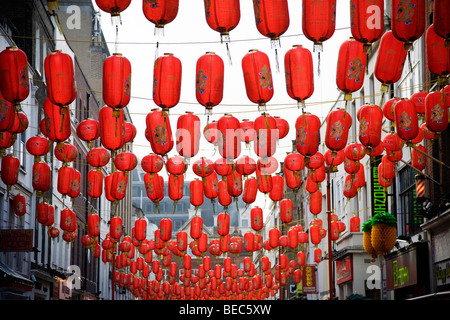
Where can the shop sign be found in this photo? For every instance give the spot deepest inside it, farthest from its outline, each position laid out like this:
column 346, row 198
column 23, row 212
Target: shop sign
column 401, row 271
column 379, row 196
column 442, row 270
column 344, row 269
column 309, row 279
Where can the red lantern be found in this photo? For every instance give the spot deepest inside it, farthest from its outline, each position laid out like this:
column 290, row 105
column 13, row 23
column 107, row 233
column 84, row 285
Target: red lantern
column 367, row 21
column 65, row 176
column 223, row 224
column 116, row 81
column 338, row 125
column 406, row 121
column 314, row 234
column 388, row 168
column 382, row 180
column 53, row 232
column 282, row 127
column 152, row 163
column 311, row 186
column 125, row 161
column 7, row 114
column 165, row 227
column 351, row 67
column 307, row 128
column 234, row 184
column 203, row 167
column 315, row 202
column 265, row 182
column 160, row 13
column 130, row 131
column 250, row 190
column 196, row 227
column 247, row 131
column 210, row 71
column 298, row 65
column 41, row 177
column 210, row 132
column 42, row 212
column 354, row 151
column 112, row 128
column 115, row 228
column 286, row 210
column 318, row 21
column 256, row 217
column 370, row 118
column 65, row 152
column 176, row 187
column 68, row 220
column 317, row 255
column 438, row 55
column 440, row 20
column 427, row 133
column 20, row 123
column 223, row 17
column 408, row 20
column 274, row 237
column 211, row 186
column 276, row 194
column 38, row 146
column 390, row 60
column 153, row 187
column 59, row 77
column 228, row 137
column 267, row 165
column 93, row 224
column 57, row 121
column 160, row 132
column 175, row 165
column 182, row 241
column 88, row 130
column 392, row 142
column 334, row 159
column 388, row 108
column 119, row 185
column 19, row 205
column 245, row 165
column 355, row 224
column 14, row 79
column 272, row 19
column 98, row 157
column 418, row 99
column 224, row 197
column 266, row 135
column 350, row 188
column 167, row 81
column 360, row 177
column 294, row 161
column 257, row 78
column 196, row 193
column 419, row 159
column 188, row 135
column 436, row 111
column 114, row 7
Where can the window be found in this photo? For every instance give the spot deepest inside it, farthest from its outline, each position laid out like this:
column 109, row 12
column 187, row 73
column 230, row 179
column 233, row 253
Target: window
column 410, row 222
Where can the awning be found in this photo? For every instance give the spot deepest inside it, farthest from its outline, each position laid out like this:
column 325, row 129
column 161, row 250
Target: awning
column 9, row 277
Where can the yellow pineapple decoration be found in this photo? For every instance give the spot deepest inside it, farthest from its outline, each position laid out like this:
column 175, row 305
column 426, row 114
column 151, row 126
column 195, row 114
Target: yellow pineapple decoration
column 367, row 239
column 384, row 232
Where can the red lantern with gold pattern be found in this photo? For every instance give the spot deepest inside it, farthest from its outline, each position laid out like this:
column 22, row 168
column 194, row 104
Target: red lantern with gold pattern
column 282, row 127
column 196, row 227
column 165, row 227
column 203, row 167
column 210, row 71
column 258, row 78
column 334, row 159
column 196, row 193
column 438, row 55
column 318, row 21
column 57, row 121
column 223, row 195
column 274, row 237
column 116, row 228
column 390, row 60
column 419, row 159
column 116, row 81
column 175, row 165
column 130, row 131
column 14, row 79
column 355, row 151
column 406, row 121
column 272, row 18
column 355, row 224
column 210, row 132
column 38, row 146
column 93, row 224
column 307, row 128
column 298, row 65
column 388, row 168
column 267, row 165
column 112, row 129
column 286, row 210
column 125, row 161
column 367, row 21
column 223, row 224
column 68, row 220
column 247, row 131
column 60, row 78
column 114, row 7
column 440, row 20
column 188, row 135
column 65, row 152
column 315, row 202
column 222, row 16
column 408, row 20
column 418, row 99
column 338, row 125
column 250, row 190
column 351, row 66
column 436, row 111
column 176, row 187
column 152, row 163
column 95, row 183
column 234, row 184
column 167, row 81
column 160, row 13
column 350, row 188
column 276, row 194
column 119, row 185
column 266, row 135
column 245, row 165
column 7, row 114
column 256, row 218
column 41, row 177
column 229, row 141
column 19, row 205
column 265, row 182
column 370, row 117
column 153, row 187
column 98, row 157
column 211, row 186
column 427, row 133
column 388, row 108
column 65, row 176
column 314, row 234
column 159, row 131
column 392, row 142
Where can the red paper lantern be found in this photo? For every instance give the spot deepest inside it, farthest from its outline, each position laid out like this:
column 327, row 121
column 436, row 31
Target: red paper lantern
column 165, row 227
column 438, row 55
column 282, row 127
column 406, row 121
column 112, row 128
column 223, row 224
column 38, row 146
column 245, row 165
column 65, row 152
column 196, row 193
column 388, row 108
column 167, row 81
column 57, row 121
column 176, row 187
column 115, row 228
column 274, row 237
column 267, row 165
column 196, row 227
column 114, row 7
column 418, row 99
column 367, row 21
column 307, row 134
column 175, row 165
column 41, row 181
column 65, row 176
column 160, row 132
column 7, row 114
column 351, row 65
column 408, row 20
column 338, row 126
column 392, row 142
column 59, row 77
column 222, row 16
column 20, row 123
column 294, row 161
column 188, row 135
column 360, row 177
column 318, row 21
column 427, row 133
column 153, row 187
column 203, row 167
column 211, row 186
column 355, row 224
column 152, row 163
column 350, row 188
column 311, row 186
column 68, row 220
column 354, row 151
column 286, row 210
column 42, row 212
column 370, row 119
column 93, row 224
column 388, row 168
column 228, row 137
column 247, row 131
column 256, row 218
column 271, row 17
column 250, row 190
column 317, row 255
column 98, row 157
column 119, row 184
column 210, row 72
column 14, row 79
column 19, row 205
column 224, row 197
column 125, row 161
column 334, row 159
column 436, row 111
column 234, row 184
column 418, row 157
column 116, row 81
column 315, row 202
column 130, row 131
column 266, row 135
column 314, row 234
column 53, row 232
column 440, row 19
column 182, row 241
column 257, row 78
column 160, row 13
column 210, row 132
column 265, row 182
column 276, row 194
column 390, row 60
column 382, row 180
